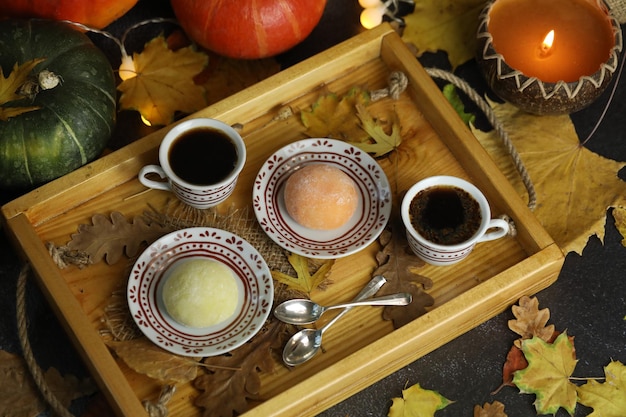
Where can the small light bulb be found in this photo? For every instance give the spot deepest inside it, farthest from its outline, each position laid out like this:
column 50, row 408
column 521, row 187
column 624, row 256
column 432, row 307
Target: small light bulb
column 127, row 68
column 372, row 17
column 370, row 3
column 145, row 121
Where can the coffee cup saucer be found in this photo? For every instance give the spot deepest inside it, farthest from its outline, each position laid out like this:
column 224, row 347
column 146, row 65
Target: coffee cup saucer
column 368, row 221
column 151, row 271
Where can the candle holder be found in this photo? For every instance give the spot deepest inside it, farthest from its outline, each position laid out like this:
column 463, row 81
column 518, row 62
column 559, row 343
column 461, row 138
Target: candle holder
column 533, row 95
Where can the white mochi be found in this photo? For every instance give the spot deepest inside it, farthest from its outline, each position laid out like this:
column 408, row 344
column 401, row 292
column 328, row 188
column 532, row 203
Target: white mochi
column 201, row 293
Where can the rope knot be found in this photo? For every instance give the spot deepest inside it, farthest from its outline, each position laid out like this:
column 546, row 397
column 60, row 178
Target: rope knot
column 396, row 84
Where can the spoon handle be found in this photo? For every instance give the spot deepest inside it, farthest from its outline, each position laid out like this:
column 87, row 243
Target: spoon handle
column 399, row 299
column 369, row 290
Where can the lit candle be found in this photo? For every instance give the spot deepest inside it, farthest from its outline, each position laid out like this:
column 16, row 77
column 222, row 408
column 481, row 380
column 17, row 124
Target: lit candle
column 552, row 40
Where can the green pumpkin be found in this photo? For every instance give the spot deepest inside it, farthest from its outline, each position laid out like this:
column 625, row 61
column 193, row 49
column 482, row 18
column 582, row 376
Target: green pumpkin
column 75, row 119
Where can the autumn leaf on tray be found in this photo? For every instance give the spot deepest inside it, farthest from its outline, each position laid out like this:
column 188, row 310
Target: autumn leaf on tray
column 550, row 365
column 334, row 117
column 608, row 399
column 417, row 402
column 111, row 237
column 495, row 409
column 20, row 397
column 305, row 281
column 398, row 265
column 447, row 25
column 164, row 82
column 146, row 358
column 381, row 143
column 10, row 87
column 226, row 392
column 574, row 186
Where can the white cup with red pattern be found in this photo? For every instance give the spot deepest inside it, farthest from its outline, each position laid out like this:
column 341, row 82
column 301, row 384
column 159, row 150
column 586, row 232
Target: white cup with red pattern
column 199, row 161
column 445, row 217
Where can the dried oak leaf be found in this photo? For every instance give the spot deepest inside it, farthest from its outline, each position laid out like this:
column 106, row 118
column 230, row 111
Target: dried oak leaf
column 225, row 392
column 495, row 409
column 550, row 365
column 530, row 321
column 10, row 87
column 305, row 281
column 334, row 117
column 20, row 397
column 608, row 399
column 111, row 237
column 574, row 186
column 448, row 25
column 397, row 264
column 164, row 82
column 417, row 402
column 146, row 358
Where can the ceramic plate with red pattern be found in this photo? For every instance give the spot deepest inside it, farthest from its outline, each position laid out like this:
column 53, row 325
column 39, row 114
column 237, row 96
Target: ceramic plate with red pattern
column 364, row 227
column 155, row 264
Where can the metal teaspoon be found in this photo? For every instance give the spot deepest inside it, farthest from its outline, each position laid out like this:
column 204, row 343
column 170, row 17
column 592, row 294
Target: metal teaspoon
column 303, row 345
column 304, row 311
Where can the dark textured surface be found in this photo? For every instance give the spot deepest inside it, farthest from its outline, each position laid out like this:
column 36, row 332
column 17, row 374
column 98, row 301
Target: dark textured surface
column 588, row 299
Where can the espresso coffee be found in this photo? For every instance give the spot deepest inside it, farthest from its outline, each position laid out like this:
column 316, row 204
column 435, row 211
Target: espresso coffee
column 203, row 156
column 445, row 215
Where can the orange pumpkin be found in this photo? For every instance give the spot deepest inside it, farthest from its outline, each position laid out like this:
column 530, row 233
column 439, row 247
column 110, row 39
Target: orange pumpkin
column 93, row 13
column 248, row 29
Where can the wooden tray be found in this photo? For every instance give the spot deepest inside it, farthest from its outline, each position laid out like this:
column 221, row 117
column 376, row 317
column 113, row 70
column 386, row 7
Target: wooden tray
column 362, row 348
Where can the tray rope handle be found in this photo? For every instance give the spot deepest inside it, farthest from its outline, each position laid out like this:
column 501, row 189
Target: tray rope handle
column 154, row 409
column 31, row 362
column 499, row 128
column 397, row 83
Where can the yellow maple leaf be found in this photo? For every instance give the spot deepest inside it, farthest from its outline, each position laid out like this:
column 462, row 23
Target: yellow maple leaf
column 550, row 366
column 619, row 214
column 574, row 186
column 335, row 117
column 382, row 143
column 448, row 25
column 305, row 281
column 417, row 402
column 164, row 82
column 607, row 399
column 11, row 86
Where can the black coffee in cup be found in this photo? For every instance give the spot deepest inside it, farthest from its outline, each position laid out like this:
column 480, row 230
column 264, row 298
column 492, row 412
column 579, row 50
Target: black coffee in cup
column 203, row 156
column 445, row 215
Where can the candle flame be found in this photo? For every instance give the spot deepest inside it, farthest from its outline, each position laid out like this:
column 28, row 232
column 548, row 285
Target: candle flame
column 145, row 121
column 546, row 45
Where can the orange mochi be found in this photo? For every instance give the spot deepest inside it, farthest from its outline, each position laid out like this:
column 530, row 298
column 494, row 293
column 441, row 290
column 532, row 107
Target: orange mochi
column 321, row 197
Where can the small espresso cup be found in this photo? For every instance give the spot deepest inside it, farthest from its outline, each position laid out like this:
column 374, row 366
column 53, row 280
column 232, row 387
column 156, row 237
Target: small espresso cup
column 200, row 161
column 445, row 217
